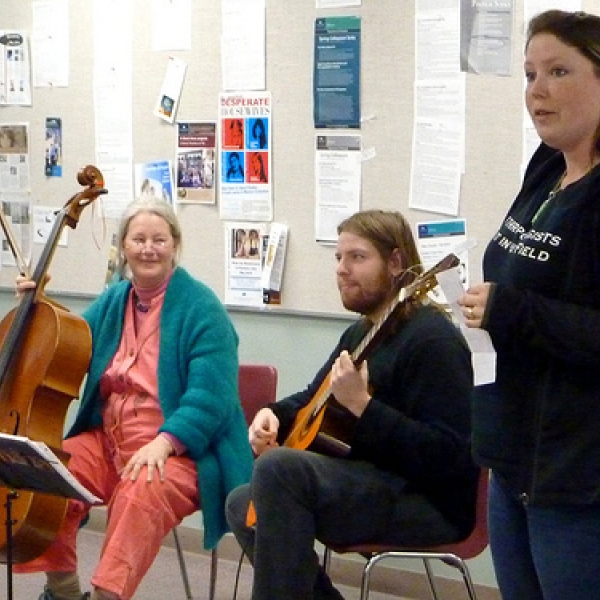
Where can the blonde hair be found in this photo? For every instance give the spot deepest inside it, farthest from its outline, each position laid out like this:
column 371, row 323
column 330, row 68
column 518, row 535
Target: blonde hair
column 154, row 206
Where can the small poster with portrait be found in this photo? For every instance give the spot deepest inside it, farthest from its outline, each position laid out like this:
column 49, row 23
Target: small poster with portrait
column 196, row 162
column 53, row 148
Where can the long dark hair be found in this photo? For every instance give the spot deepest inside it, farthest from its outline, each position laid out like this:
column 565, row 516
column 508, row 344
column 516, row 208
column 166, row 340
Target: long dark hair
column 258, row 132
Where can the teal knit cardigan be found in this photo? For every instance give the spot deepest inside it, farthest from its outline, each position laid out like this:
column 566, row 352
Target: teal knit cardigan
column 197, row 386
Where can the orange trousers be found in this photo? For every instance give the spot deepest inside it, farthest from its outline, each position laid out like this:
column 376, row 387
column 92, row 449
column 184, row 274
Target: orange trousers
column 140, row 514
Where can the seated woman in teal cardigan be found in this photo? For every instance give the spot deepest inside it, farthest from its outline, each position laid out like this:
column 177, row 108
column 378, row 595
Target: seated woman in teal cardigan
column 160, row 431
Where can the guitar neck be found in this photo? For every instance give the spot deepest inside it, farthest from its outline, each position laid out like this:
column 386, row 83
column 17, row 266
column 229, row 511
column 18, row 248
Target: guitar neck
column 420, row 286
column 417, row 288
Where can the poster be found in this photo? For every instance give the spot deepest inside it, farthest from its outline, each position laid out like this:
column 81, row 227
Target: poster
column 196, row 162
column 53, row 149
column 338, row 176
column 14, row 157
column 154, row 179
column 336, row 72
column 486, row 34
column 15, row 70
column 244, row 262
column 245, row 178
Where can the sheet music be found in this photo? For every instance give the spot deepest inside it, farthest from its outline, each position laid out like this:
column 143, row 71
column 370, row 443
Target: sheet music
column 29, row 465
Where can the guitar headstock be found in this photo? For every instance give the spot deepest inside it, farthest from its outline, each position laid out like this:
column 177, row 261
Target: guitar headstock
column 427, row 281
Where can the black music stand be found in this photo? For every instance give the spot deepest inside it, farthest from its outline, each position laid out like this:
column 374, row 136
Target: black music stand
column 26, row 465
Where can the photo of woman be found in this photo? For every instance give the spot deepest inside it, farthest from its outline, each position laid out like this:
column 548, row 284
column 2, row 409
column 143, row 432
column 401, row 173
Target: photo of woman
column 256, row 169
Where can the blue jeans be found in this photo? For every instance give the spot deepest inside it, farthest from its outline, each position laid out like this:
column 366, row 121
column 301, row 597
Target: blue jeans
column 544, row 553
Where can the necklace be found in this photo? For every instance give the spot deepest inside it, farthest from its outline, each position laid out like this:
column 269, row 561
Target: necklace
column 551, row 195
column 138, row 304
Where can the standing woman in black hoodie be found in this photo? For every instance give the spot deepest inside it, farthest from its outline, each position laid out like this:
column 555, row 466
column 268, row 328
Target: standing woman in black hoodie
column 537, row 427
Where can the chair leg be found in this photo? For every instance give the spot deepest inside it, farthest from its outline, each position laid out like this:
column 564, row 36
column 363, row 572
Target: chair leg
column 326, row 559
column 366, row 576
column 214, row 563
column 430, row 579
column 182, row 566
column 467, row 579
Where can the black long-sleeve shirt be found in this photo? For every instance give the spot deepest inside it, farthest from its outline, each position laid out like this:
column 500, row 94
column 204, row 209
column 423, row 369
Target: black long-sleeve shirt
column 418, row 422
column 537, row 425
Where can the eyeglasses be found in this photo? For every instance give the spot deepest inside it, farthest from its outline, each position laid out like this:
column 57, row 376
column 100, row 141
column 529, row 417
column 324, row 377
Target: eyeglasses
column 140, row 244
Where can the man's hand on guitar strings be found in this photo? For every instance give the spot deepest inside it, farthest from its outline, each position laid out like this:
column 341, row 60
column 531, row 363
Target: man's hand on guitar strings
column 350, row 385
column 262, row 432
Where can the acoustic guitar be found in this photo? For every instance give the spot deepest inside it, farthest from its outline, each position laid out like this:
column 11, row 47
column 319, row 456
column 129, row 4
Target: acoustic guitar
column 324, row 425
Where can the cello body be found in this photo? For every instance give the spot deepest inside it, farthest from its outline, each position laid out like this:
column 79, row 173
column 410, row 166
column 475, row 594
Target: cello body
column 47, row 375
column 44, row 356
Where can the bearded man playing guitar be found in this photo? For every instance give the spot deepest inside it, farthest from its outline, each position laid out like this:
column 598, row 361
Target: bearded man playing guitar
column 404, row 474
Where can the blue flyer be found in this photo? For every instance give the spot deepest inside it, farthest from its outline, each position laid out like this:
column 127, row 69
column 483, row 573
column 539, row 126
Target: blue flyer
column 336, row 73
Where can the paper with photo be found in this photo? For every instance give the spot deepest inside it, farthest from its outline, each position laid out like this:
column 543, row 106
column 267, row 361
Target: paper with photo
column 14, row 157
column 15, row 69
column 196, row 162
column 53, row 149
column 167, row 102
column 245, row 133
column 243, row 247
column 154, row 180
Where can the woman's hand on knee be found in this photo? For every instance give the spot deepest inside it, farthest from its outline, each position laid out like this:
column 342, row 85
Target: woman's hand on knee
column 153, row 455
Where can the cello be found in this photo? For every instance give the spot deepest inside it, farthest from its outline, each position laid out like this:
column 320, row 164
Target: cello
column 44, row 356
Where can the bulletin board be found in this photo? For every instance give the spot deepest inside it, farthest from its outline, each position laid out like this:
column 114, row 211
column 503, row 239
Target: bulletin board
column 494, row 118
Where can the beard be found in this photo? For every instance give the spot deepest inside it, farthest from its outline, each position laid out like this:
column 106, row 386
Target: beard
column 368, row 299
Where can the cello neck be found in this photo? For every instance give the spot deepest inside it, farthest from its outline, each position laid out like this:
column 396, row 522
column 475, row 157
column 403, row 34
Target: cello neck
column 11, row 345
column 68, row 215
